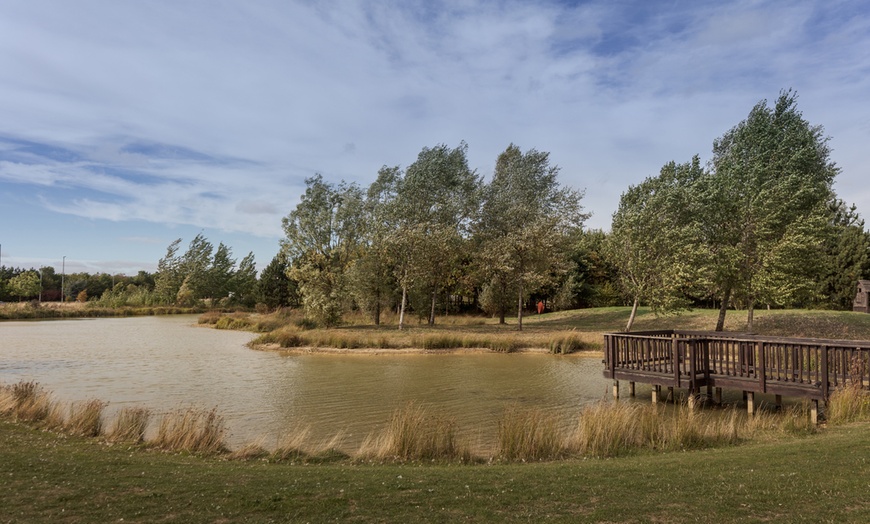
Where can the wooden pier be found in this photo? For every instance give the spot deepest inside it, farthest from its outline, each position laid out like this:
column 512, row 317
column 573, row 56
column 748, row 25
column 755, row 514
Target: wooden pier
column 793, row 367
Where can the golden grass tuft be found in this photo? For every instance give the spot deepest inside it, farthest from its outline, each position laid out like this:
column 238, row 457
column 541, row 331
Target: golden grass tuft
column 848, row 404
column 85, row 418
column 129, row 425
column 27, row 402
column 529, row 435
column 413, row 433
column 250, row 451
column 191, row 430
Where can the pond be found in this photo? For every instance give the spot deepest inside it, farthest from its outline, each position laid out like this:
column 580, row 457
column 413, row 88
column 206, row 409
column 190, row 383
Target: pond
column 165, row 363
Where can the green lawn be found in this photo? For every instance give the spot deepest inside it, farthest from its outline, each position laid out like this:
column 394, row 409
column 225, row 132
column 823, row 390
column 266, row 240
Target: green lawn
column 46, row 477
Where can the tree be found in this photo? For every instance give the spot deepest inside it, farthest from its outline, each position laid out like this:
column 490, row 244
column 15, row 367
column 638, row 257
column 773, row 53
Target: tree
column 322, row 235
column 847, row 254
column 243, row 282
column 655, row 239
column 275, row 287
column 195, row 266
column 25, row 285
column 169, row 275
column 765, row 207
column 525, row 221
column 435, row 202
column 220, row 275
column 370, row 275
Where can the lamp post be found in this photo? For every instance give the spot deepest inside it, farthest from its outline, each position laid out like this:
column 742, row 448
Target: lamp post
column 62, row 277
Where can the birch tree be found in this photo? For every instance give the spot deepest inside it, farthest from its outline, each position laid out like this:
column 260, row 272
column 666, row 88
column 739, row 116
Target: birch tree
column 524, row 221
column 655, row 240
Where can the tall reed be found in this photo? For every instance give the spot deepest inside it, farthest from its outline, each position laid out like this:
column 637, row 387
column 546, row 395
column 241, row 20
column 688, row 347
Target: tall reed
column 192, row 430
column 848, row 404
column 415, row 434
column 85, row 418
column 27, row 402
column 129, row 425
column 529, row 434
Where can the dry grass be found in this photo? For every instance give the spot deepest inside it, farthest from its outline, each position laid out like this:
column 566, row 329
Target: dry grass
column 250, row 451
column 129, row 425
column 191, row 430
column 412, row 434
column 849, row 404
column 27, row 402
column 85, row 418
column 529, row 434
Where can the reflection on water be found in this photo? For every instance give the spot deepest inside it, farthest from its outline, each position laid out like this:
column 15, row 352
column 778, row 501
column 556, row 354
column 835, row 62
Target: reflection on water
column 167, row 362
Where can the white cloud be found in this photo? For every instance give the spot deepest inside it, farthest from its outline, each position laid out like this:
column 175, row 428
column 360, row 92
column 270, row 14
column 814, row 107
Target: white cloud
column 257, row 96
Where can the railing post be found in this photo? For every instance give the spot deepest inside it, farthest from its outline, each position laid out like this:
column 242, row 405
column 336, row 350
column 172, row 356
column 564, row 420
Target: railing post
column 675, row 355
column 759, row 348
column 824, row 363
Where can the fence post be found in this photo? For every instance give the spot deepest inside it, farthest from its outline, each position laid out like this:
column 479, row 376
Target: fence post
column 759, row 348
column 675, row 355
column 824, row 363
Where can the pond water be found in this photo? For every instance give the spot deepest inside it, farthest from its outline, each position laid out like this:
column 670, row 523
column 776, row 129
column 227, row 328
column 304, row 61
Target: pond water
column 166, row 363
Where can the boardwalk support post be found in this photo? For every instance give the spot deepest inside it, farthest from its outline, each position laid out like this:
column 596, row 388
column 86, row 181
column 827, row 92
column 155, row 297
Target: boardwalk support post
column 750, row 402
column 616, row 389
column 656, row 392
column 631, row 389
column 814, row 412
column 718, row 396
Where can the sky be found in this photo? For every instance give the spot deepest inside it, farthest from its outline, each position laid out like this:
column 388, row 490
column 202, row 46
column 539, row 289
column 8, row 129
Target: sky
column 126, row 124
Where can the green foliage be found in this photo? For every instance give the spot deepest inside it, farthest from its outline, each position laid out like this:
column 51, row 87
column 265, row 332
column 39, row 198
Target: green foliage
column 765, row 206
column 524, row 226
column 275, row 289
column 655, row 239
column 322, row 236
column 25, row 285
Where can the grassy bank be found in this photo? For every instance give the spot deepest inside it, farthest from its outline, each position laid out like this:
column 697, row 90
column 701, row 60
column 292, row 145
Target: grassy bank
column 48, row 477
column 559, row 332
column 56, row 310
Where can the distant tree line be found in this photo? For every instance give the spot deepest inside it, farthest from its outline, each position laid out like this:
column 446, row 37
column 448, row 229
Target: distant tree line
column 758, row 226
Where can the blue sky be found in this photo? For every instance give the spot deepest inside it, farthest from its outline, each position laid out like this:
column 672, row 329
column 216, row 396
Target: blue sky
column 127, row 124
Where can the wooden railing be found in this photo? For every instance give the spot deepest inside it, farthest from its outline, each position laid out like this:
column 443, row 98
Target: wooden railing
column 691, row 359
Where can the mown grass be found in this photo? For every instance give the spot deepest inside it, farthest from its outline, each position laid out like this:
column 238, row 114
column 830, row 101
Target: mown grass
column 818, row 478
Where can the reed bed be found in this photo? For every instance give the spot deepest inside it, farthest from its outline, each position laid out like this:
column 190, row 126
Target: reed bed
column 848, row 404
column 27, row 402
column 192, row 430
column 85, row 418
column 529, row 434
column 129, row 425
column 415, row 434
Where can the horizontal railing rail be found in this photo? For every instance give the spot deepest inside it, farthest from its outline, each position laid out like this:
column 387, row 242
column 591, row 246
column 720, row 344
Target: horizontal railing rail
column 796, row 366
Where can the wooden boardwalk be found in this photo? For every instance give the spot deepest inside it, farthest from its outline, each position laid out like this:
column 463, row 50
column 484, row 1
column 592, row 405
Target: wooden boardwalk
column 795, row 367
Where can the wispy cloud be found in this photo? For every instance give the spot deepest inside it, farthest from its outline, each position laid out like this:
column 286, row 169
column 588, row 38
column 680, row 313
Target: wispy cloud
column 212, row 115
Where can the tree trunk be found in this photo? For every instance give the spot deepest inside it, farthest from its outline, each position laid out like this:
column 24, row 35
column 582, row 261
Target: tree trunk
column 520, row 310
column 632, row 316
column 723, row 308
column 402, row 307
column 432, row 310
column 378, row 310
column 750, row 317
column 501, row 313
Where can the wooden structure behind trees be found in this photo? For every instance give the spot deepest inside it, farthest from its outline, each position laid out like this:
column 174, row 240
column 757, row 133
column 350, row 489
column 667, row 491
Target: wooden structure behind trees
column 796, row 367
column 862, row 297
